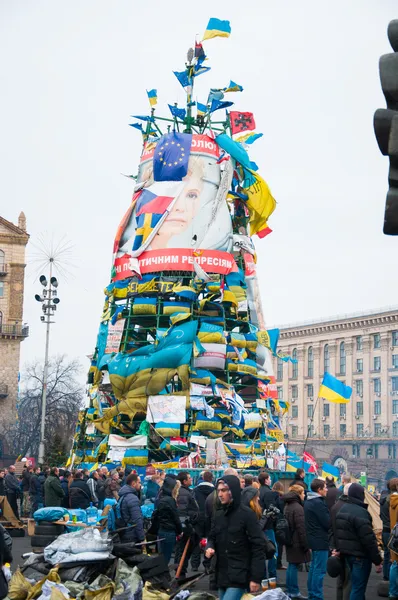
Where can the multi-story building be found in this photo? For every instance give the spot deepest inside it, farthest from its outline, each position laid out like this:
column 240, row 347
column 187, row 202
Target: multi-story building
column 13, row 331
column 362, row 352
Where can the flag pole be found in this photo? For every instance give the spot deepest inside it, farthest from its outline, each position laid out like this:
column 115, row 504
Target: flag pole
column 308, row 430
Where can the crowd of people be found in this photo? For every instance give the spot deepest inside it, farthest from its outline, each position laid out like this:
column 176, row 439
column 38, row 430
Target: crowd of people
column 243, row 523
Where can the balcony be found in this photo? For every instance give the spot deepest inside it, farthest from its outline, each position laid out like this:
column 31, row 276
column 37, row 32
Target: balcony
column 14, row 331
column 3, row 269
column 3, row 390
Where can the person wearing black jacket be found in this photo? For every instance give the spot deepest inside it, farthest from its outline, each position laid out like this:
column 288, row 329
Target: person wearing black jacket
column 317, row 524
column 188, row 511
column 169, row 521
column 36, row 489
column 385, row 518
column 237, row 542
column 333, row 494
column 268, row 498
column 355, row 540
column 2, row 482
column 79, row 492
column 13, row 489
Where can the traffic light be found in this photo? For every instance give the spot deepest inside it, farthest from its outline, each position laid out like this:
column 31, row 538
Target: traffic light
column 385, row 122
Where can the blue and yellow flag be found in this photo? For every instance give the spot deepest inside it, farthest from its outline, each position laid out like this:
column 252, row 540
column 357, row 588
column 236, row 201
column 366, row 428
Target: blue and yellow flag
column 217, row 28
column 334, row 390
column 233, row 87
column 201, row 109
column 330, row 471
column 260, row 202
column 152, row 97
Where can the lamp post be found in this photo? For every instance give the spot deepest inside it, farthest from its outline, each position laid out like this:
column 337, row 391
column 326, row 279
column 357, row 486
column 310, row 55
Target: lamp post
column 49, row 302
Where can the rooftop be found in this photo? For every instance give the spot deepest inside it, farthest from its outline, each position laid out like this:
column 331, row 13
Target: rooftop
column 338, row 318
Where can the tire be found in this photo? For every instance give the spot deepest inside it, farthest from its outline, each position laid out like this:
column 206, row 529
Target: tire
column 15, row 532
column 41, row 541
column 56, row 528
column 49, row 529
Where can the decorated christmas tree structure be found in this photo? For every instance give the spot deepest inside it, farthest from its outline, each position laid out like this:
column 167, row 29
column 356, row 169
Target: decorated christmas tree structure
column 182, row 372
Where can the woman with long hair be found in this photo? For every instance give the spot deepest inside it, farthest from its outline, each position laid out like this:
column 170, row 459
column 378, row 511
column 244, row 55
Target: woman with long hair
column 168, row 518
column 298, row 552
column 251, row 497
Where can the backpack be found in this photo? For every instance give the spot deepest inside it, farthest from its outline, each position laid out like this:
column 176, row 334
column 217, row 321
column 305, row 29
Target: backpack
column 393, row 541
column 115, row 520
column 282, row 531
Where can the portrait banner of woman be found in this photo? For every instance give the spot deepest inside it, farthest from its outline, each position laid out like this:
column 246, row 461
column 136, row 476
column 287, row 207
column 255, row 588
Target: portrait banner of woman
column 191, row 214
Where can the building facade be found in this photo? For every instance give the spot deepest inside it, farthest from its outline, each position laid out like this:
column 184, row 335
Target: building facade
column 362, row 352
column 13, row 331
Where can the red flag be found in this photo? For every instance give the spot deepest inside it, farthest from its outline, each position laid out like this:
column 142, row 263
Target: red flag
column 308, row 458
column 199, row 52
column 241, row 121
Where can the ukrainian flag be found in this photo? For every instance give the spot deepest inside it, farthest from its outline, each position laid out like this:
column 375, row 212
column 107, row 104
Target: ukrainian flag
column 217, row 28
column 201, row 109
column 233, row 87
column 334, row 390
column 330, row 471
column 152, row 97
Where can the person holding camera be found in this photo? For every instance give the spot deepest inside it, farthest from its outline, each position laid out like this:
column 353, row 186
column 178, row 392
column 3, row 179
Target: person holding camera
column 188, row 511
column 270, row 498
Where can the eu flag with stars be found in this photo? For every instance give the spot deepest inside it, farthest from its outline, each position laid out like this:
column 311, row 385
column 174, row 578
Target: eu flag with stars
column 170, row 161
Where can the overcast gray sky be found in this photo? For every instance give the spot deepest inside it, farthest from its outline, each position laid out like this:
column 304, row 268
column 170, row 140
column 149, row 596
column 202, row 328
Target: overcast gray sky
column 71, row 74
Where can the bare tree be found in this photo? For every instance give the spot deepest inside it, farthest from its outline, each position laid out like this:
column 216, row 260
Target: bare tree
column 64, row 399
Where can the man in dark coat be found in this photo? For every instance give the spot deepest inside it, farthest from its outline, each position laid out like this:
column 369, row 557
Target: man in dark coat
column 333, row 494
column 130, row 510
column 2, row 482
column 188, row 511
column 268, row 498
column 201, row 493
column 53, row 492
column 36, row 489
column 317, row 524
column 297, row 552
column 13, row 489
column 385, row 517
column 355, row 540
column 79, row 492
column 237, row 542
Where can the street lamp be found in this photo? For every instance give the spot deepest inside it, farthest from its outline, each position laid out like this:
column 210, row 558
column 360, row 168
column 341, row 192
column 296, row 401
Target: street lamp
column 49, row 302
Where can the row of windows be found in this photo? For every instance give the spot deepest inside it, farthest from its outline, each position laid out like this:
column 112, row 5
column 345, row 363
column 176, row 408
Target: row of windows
column 358, row 388
column 343, row 412
column 326, row 366
column 342, row 357
column 378, row 431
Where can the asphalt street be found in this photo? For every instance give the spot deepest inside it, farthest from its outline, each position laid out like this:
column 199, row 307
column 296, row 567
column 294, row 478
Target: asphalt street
column 22, row 545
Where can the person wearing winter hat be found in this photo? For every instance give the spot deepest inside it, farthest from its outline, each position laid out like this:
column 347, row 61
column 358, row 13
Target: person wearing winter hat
column 317, row 524
column 355, row 540
column 237, row 541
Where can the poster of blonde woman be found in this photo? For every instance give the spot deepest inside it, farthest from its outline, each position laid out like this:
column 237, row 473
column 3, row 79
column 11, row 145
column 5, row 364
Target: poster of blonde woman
column 179, row 204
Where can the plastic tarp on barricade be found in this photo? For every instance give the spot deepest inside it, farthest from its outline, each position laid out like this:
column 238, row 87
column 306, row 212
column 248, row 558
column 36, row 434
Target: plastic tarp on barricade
column 7, row 514
column 82, row 545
